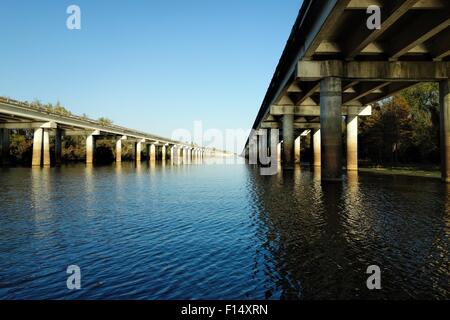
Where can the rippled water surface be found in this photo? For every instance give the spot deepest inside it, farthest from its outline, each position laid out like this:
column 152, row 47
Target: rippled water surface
column 219, row 232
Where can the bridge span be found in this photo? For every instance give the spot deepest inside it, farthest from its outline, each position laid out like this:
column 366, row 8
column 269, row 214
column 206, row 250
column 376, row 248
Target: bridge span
column 334, row 65
column 19, row 115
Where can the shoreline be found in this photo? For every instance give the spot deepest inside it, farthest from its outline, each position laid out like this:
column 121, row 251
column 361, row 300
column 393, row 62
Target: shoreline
column 432, row 173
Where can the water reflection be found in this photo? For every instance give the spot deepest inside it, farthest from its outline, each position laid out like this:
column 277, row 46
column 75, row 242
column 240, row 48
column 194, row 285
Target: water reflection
column 164, row 231
column 322, row 237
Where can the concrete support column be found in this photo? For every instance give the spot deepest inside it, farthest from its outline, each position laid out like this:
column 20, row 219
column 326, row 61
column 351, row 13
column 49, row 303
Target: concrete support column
column 152, row 154
column 90, row 149
column 279, row 148
column 288, row 158
column 352, row 143
column 46, row 148
column 163, row 153
column 317, row 149
column 179, row 155
column 138, row 146
column 298, row 145
column 58, row 147
column 119, row 150
column 331, row 128
column 4, row 146
column 37, row 147
column 444, row 98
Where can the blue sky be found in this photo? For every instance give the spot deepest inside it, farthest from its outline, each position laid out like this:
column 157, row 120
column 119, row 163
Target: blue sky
column 152, row 65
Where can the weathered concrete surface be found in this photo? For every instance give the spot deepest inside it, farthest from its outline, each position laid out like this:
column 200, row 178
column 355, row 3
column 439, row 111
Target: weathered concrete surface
column 152, row 152
column 37, row 147
column 288, row 159
column 119, row 150
column 444, row 95
column 331, row 128
column 46, row 162
column 352, row 143
column 138, row 151
column 317, row 148
column 90, row 149
column 4, row 146
column 298, row 145
column 58, row 146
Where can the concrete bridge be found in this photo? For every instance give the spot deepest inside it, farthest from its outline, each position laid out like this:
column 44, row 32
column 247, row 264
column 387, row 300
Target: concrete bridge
column 19, row 115
column 335, row 66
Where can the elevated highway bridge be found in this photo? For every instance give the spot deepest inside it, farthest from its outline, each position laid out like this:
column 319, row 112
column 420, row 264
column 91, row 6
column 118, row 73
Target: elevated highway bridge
column 335, row 65
column 44, row 123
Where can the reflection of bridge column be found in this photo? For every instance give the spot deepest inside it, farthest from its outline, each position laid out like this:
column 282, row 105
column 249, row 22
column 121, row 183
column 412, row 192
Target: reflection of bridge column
column 298, row 145
column 37, row 147
column 331, row 128
column 444, row 98
column 288, row 141
column 90, row 149
column 58, row 146
column 4, row 146
column 352, row 142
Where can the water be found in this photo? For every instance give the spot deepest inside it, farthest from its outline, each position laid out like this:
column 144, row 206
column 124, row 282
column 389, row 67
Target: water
column 220, row 232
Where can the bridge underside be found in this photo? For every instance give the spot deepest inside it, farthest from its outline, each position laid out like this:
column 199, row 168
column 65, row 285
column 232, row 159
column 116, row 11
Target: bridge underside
column 334, row 66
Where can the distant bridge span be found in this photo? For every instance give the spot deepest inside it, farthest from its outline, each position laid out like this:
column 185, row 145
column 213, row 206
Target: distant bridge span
column 333, row 65
column 19, row 115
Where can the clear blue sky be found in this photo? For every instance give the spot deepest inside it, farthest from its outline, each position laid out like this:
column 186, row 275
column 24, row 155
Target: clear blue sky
column 152, row 65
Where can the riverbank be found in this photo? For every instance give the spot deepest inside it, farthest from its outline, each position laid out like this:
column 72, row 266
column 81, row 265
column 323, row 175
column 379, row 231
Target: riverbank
column 430, row 172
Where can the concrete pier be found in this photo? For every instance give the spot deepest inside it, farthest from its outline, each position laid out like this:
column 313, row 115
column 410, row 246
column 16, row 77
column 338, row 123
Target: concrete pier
column 152, row 154
column 163, row 153
column 4, row 146
column 444, row 100
column 90, row 149
column 331, row 128
column 298, row 145
column 352, row 142
column 288, row 158
column 58, row 147
column 119, row 150
column 138, row 147
column 37, row 147
column 317, row 147
column 46, row 162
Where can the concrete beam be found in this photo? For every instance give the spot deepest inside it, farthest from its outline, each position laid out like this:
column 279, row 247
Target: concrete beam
column 420, row 5
column 374, row 70
column 362, row 37
column 416, row 34
column 276, row 125
column 325, row 24
column 28, row 125
column 314, row 111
